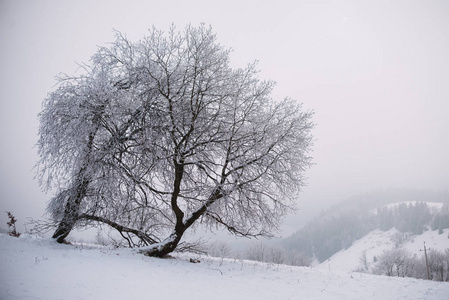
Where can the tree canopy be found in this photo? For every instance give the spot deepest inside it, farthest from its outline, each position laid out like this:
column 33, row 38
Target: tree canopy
column 162, row 133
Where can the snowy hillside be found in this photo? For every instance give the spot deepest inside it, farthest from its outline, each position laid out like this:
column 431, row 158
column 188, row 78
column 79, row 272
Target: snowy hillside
column 34, row 268
column 348, row 222
column 376, row 242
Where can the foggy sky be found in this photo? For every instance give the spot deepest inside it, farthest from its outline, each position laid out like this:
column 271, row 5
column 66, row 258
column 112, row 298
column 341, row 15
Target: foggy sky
column 376, row 74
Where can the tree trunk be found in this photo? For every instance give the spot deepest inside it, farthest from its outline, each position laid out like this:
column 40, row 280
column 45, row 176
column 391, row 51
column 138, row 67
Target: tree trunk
column 72, row 208
column 164, row 248
column 170, row 244
column 71, row 212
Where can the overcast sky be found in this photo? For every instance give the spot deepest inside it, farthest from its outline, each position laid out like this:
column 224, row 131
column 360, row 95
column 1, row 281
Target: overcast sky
column 376, row 74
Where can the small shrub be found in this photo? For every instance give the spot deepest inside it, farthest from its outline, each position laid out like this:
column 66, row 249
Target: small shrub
column 12, row 225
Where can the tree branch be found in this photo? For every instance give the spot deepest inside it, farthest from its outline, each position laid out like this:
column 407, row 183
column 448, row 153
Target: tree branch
column 141, row 235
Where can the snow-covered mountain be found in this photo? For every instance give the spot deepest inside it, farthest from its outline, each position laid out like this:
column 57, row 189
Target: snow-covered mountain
column 369, row 248
column 371, row 216
column 35, row 268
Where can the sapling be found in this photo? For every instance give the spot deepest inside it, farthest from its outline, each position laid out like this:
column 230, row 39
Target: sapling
column 12, row 225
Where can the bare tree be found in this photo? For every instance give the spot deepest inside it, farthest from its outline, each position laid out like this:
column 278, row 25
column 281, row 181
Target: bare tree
column 446, row 258
column 298, row 259
column 395, row 261
column 363, row 260
column 257, row 252
column 219, row 249
column 162, row 134
column 437, row 265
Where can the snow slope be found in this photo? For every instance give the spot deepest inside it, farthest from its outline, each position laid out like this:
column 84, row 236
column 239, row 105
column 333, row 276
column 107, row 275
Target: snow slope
column 34, row 268
column 376, row 242
column 348, row 260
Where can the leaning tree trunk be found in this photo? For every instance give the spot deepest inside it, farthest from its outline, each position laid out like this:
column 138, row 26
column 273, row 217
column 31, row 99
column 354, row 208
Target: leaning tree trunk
column 71, row 211
column 164, row 248
column 79, row 190
column 170, row 244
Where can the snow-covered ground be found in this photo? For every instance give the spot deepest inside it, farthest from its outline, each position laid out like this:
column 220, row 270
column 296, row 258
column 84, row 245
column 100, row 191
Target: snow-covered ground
column 376, row 242
column 35, row 268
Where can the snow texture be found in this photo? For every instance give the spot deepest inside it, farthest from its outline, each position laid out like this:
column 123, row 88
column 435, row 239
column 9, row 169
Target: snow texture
column 35, row 268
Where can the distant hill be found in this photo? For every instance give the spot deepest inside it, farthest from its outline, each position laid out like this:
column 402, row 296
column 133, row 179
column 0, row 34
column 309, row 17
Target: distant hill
column 409, row 211
column 365, row 252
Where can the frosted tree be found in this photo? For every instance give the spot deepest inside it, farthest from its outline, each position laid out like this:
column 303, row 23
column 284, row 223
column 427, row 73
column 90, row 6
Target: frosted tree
column 91, row 133
column 396, row 261
column 163, row 134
